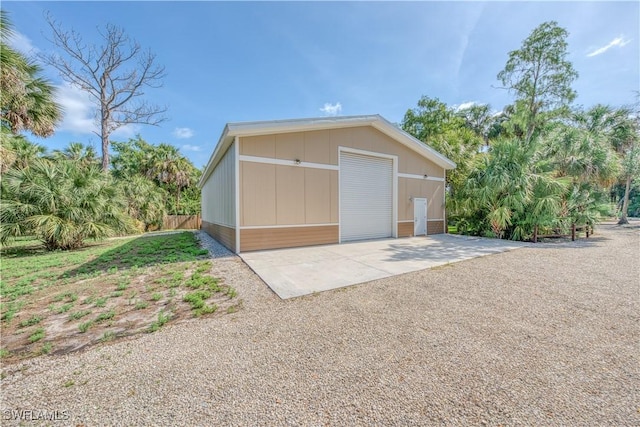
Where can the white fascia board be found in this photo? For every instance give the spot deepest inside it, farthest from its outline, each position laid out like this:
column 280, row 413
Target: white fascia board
column 298, row 125
column 413, row 143
column 221, row 147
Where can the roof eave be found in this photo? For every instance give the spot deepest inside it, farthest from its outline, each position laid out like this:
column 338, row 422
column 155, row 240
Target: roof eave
column 215, row 156
column 413, row 143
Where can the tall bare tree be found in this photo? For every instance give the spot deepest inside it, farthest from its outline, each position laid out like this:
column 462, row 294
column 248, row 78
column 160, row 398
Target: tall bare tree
column 115, row 74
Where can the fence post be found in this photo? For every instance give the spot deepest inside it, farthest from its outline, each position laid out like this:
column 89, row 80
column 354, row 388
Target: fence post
column 573, row 232
column 535, row 234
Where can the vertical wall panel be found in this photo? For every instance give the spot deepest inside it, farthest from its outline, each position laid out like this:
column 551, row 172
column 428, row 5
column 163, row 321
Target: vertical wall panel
column 290, row 146
column 260, row 146
column 435, row 207
column 257, row 194
column 290, row 195
column 335, row 197
column 218, row 192
column 317, row 188
column 317, row 148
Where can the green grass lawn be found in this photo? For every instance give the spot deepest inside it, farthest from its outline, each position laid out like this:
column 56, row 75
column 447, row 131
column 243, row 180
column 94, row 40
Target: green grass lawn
column 59, row 301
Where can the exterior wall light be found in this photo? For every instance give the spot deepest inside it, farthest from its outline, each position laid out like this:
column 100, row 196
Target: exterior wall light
column 426, row 176
column 297, row 161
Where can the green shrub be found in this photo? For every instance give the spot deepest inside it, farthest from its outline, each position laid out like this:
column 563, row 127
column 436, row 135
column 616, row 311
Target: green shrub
column 62, row 203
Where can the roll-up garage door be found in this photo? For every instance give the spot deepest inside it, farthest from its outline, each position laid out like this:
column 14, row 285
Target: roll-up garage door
column 366, row 197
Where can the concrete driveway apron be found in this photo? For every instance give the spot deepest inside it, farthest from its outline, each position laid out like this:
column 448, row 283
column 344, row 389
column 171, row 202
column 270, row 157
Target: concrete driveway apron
column 301, row 271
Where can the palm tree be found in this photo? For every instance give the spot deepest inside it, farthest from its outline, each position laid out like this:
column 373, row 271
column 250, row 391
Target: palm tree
column 26, row 99
column 620, row 128
column 21, row 150
column 169, row 167
column 512, row 193
column 77, row 152
column 145, row 201
column 584, row 154
column 62, row 203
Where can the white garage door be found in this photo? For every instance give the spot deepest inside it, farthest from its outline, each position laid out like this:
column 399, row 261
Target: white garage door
column 366, row 197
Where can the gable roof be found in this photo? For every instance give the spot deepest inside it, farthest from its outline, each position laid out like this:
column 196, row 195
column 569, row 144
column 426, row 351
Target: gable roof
column 231, row 130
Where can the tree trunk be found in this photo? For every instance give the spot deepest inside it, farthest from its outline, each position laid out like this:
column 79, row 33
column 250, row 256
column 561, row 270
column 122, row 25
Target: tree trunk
column 105, row 153
column 105, row 118
column 625, row 203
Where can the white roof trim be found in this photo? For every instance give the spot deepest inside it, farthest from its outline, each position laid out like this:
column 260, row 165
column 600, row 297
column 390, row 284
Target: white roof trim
column 231, row 130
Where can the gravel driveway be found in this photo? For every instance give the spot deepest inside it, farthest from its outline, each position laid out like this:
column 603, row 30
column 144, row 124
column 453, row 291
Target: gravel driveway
column 547, row 335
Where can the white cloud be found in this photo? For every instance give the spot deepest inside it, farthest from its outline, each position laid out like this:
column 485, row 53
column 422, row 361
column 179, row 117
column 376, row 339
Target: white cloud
column 331, row 109
column 187, row 147
column 78, row 110
column 22, row 43
column 618, row 41
column 79, row 113
column 127, row 131
column 183, row 133
column 465, row 105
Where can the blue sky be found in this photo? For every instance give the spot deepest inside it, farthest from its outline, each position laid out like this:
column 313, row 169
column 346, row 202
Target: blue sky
column 240, row 61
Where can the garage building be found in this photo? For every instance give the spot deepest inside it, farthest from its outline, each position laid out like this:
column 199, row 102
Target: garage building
column 278, row 184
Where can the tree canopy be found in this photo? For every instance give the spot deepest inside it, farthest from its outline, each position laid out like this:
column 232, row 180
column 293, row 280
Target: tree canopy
column 26, row 98
column 541, row 163
column 540, row 76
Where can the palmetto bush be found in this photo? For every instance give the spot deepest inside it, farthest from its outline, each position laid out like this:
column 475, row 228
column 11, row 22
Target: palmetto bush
column 145, row 202
column 61, row 202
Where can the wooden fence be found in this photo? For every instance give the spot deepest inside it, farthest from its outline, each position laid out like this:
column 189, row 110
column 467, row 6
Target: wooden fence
column 181, row 222
column 587, row 228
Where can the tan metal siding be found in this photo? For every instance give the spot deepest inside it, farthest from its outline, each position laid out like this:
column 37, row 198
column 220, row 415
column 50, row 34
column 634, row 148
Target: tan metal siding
column 319, row 196
column 322, row 147
column 218, row 192
column 430, row 190
column 261, row 146
column 290, row 195
column 370, row 139
column 405, row 206
column 287, row 237
column 294, row 195
column 317, row 148
column 335, row 217
column 224, row 235
column 435, row 200
column 290, row 146
column 287, row 195
column 405, row 229
column 257, row 194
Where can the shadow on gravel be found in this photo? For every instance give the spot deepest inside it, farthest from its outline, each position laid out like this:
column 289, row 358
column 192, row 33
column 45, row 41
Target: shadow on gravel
column 565, row 242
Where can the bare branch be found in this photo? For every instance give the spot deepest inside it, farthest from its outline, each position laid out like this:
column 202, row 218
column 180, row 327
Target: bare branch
column 114, row 74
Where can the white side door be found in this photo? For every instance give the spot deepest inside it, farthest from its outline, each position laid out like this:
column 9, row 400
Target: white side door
column 419, row 217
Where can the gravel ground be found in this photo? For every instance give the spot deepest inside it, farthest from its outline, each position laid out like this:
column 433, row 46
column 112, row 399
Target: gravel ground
column 546, row 335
